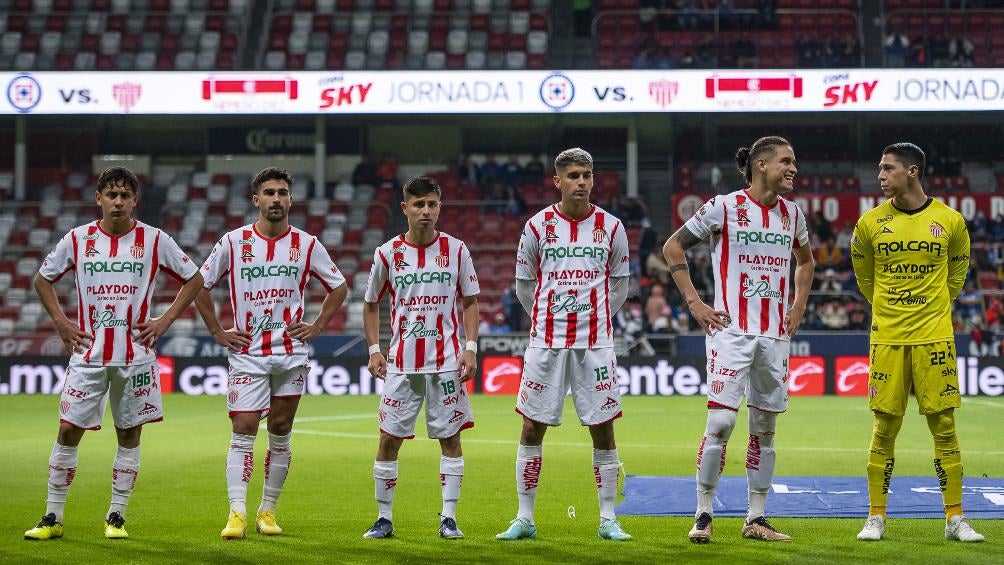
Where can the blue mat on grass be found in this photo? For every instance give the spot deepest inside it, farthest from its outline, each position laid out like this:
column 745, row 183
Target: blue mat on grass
column 816, row 497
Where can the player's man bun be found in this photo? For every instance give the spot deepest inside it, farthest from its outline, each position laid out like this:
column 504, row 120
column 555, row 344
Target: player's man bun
column 745, row 156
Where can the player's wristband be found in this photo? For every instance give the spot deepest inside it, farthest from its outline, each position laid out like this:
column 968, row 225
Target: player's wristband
column 472, row 346
column 375, row 348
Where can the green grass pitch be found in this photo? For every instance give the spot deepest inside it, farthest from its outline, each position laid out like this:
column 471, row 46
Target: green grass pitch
column 180, row 504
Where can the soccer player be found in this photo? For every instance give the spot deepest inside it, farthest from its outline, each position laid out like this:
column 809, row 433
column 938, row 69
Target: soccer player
column 571, row 277
column 424, row 271
column 910, row 257
column 115, row 261
column 268, row 263
column 753, row 234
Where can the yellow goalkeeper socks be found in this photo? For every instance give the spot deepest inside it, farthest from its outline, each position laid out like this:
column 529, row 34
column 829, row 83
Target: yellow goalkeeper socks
column 881, row 459
column 947, row 460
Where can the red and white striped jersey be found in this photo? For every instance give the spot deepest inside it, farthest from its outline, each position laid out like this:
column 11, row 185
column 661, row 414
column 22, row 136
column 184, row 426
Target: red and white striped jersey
column 424, row 284
column 267, row 279
column 115, row 281
column 572, row 262
column 751, row 249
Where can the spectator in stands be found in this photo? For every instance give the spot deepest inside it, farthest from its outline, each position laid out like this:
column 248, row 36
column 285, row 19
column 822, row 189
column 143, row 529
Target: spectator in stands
column 701, row 274
column 829, row 255
column 726, row 14
column 364, row 172
column 657, row 269
column 821, row 226
column 995, row 314
column 515, row 205
column 768, row 14
column 746, row 54
column 997, row 228
column 960, row 52
column 533, row 172
column 829, row 282
column 896, row 45
column 919, row 53
column 979, row 344
column 657, row 310
column 688, row 14
column 979, row 226
column 489, row 171
column 512, row 172
column 630, row 320
column 850, row 55
column 512, row 308
column 499, row 325
column 468, row 171
column 969, row 302
column 833, row 316
column 613, row 205
column 808, row 48
column 583, row 17
column 828, row 53
column 858, row 318
column 844, row 236
column 386, row 172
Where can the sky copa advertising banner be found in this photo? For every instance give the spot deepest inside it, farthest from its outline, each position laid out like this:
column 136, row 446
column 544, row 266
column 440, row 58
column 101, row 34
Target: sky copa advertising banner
column 500, row 375
column 503, row 92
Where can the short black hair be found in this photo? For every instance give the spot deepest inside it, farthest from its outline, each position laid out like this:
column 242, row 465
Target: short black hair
column 270, row 173
column 118, row 176
column 746, row 155
column 421, row 186
column 908, row 154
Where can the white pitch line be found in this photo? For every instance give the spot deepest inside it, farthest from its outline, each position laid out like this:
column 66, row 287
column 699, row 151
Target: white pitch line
column 335, row 418
column 627, row 445
column 983, row 402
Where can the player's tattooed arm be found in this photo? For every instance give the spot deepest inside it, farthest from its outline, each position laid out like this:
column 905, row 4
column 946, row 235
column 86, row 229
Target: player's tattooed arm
column 685, row 238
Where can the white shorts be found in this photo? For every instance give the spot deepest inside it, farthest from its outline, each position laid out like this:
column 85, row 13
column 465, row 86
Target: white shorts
column 749, row 365
column 548, row 375
column 255, row 379
column 447, row 406
column 133, row 392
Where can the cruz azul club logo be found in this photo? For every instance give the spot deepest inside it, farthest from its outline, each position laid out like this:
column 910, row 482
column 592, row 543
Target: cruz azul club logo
column 557, row 91
column 24, row 93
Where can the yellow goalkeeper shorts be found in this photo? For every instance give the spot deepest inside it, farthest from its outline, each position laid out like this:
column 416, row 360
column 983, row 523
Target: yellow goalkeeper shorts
column 929, row 369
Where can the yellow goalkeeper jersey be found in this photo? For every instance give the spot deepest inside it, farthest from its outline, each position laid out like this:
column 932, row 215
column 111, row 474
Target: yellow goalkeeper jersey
column 910, row 266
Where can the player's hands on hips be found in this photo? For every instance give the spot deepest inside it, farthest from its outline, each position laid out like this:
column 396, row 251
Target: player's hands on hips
column 233, row 339
column 378, row 365
column 708, row 318
column 793, row 319
column 73, row 337
column 303, row 332
column 468, row 366
column 150, row 331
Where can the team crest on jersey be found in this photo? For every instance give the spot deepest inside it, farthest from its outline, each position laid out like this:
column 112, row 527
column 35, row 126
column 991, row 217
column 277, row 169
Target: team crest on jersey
column 64, row 407
column 136, row 251
column 599, row 234
column 717, row 387
column 785, row 222
column 294, row 253
column 442, row 260
column 91, row 252
column 743, row 218
column 936, row 229
column 232, row 396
